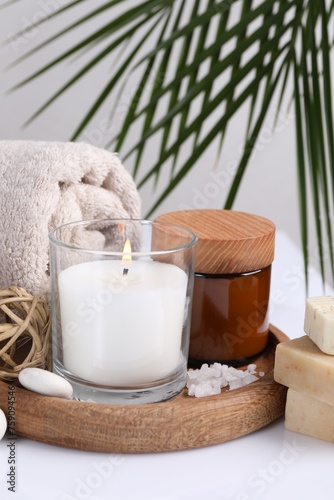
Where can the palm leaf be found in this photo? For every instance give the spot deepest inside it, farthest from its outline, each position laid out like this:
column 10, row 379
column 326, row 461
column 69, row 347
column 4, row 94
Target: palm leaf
column 90, row 65
column 211, row 135
column 161, row 72
column 261, row 45
column 327, row 86
column 40, row 21
column 312, row 146
column 110, row 85
column 301, row 167
column 200, row 46
column 8, row 3
column 322, row 161
column 130, row 116
column 148, row 8
column 216, row 101
column 176, row 91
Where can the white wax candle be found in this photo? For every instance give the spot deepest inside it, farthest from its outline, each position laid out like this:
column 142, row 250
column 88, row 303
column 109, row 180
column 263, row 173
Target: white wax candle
column 122, row 330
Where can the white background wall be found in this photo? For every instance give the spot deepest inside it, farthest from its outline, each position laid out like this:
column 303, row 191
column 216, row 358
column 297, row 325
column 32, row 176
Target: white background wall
column 269, row 187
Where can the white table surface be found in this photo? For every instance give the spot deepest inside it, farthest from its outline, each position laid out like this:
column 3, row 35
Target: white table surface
column 270, row 464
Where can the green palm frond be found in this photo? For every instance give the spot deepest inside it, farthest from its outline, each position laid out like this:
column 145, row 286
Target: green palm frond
column 8, row 3
column 210, row 58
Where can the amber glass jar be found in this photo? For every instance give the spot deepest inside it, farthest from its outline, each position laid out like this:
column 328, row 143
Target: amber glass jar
column 230, row 316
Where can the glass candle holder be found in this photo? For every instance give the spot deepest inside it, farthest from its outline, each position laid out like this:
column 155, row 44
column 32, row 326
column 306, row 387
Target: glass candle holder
column 230, row 314
column 121, row 302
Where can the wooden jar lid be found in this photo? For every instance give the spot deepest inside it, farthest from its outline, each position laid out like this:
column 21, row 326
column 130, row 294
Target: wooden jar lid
column 229, row 242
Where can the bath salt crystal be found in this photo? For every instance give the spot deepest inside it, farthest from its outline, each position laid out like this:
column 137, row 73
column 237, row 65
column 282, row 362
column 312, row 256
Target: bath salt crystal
column 206, row 373
column 191, row 389
column 233, row 372
column 210, row 380
column 251, row 368
column 208, row 388
column 230, row 377
column 191, row 375
column 248, row 379
column 217, row 368
column 223, row 382
column 235, row 384
column 215, row 371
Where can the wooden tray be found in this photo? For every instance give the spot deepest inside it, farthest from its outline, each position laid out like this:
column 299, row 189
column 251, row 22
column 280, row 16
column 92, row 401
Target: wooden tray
column 182, row 423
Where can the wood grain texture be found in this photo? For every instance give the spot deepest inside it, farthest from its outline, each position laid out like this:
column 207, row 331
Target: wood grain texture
column 182, row 423
column 228, row 241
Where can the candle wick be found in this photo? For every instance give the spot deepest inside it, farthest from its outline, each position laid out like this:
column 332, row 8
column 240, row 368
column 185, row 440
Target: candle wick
column 125, row 271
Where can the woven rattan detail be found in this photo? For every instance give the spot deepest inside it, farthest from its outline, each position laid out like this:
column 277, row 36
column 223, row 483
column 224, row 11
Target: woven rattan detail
column 25, row 326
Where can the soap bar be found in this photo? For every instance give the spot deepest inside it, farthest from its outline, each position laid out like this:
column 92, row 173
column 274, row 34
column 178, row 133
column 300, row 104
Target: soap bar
column 302, row 366
column 319, row 322
column 309, row 416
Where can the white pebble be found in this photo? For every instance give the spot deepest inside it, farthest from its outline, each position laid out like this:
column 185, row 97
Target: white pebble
column 3, row 424
column 45, row 382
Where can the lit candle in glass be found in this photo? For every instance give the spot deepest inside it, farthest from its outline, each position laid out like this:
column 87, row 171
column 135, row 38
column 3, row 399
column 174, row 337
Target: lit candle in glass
column 122, row 319
column 121, row 315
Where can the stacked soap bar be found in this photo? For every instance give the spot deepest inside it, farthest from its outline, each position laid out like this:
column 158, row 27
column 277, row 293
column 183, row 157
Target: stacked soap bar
column 306, row 366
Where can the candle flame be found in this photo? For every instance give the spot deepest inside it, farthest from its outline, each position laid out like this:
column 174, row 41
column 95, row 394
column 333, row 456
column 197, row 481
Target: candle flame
column 127, row 251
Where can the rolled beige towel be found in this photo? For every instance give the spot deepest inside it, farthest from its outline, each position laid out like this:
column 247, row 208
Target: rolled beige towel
column 46, row 184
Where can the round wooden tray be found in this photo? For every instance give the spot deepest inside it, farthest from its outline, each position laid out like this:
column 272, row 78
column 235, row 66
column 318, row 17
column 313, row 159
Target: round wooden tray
column 182, row 423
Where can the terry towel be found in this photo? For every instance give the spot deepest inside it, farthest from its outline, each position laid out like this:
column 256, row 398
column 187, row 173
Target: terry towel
column 46, row 184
